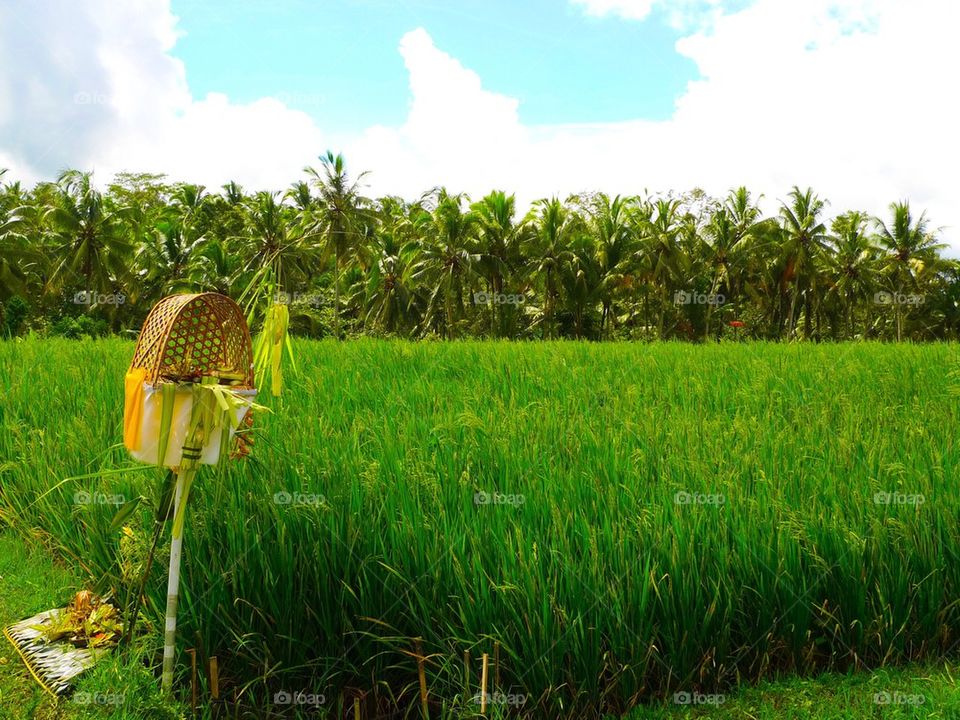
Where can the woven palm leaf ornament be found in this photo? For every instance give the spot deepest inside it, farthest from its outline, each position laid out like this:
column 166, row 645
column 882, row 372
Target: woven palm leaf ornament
column 268, row 307
column 53, row 665
column 188, row 394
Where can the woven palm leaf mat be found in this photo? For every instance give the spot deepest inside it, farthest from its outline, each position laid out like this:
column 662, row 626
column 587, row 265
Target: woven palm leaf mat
column 54, row 665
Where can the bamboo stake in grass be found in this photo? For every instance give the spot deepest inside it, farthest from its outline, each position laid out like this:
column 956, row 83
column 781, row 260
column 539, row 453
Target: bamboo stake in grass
column 184, row 478
column 214, row 678
column 423, row 681
column 193, row 678
column 483, row 685
column 356, row 708
column 201, row 424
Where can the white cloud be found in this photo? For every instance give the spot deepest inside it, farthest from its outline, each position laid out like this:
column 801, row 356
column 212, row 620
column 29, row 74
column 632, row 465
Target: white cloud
column 457, row 133
column 630, row 9
column 94, row 85
column 850, row 96
column 679, row 13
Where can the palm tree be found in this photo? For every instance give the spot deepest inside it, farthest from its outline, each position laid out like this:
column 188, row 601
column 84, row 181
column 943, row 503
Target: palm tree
column 168, row 257
column 233, row 193
column 389, row 293
column 340, row 216
column 88, row 235
column 853, row 266
column 447, row 258
column 610, row 224
column 13, row 255
column 499, row 239
column 720, row 246
column 299, row 194
column 805, row 239
column 730, row 237
column 581, row 280
column 660, row 227
column 549, row 247
column 270, row 237
column 213, row 267
column 909, row 248
column 189, row 202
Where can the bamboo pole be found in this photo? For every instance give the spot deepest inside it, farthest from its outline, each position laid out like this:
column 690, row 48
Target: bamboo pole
column 483, row 685
column 193, row 678
column 190, row 457
column 173, row 583
column 356, row 708
column 423, row 682
column 214, row 678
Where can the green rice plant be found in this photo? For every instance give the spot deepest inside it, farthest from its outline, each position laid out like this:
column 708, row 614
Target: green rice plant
column 622, row 521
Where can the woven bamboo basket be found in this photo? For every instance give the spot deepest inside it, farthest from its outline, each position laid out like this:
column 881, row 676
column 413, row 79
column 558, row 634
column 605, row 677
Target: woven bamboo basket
column 185, row 340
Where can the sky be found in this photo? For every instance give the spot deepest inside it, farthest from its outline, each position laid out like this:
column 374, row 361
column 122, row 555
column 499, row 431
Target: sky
column 536, row 97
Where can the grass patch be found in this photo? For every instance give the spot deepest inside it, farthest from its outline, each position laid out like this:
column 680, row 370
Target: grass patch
column 117, row 688
column 625, row 521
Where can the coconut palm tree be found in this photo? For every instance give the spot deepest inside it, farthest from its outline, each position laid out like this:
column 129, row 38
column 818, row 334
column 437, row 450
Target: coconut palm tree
column 731, row 238
column 661, row 226
column 853, row 265
column 804, row 241
column 88, row 235
column 168, row 257
column 909, row 249
column 299, row 194
column 340, row 215
column 499, row 240
column 213, row 267
column 549, row 248
column 447, row 259
column 582, row 282
column 388, row 293
column 610, row 224
column 13, row 255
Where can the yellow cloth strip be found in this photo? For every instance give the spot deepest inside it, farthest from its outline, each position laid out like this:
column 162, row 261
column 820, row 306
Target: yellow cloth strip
column 26, row 661
column 133, row 406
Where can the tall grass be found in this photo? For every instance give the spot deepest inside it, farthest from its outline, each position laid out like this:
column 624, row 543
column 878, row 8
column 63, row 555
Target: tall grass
column 660, row 518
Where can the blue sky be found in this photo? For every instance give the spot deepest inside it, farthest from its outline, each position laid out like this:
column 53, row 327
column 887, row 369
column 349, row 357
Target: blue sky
column 338, row 61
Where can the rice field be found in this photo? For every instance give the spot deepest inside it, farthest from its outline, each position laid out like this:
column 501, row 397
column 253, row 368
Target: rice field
column 611, row 524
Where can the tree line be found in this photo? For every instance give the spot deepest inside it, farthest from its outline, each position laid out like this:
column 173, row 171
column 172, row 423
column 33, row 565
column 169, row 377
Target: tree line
column 78, row 260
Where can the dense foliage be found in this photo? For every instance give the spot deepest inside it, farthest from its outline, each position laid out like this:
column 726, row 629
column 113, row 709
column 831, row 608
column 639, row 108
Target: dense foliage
column 626, row 521
column 591, row 266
